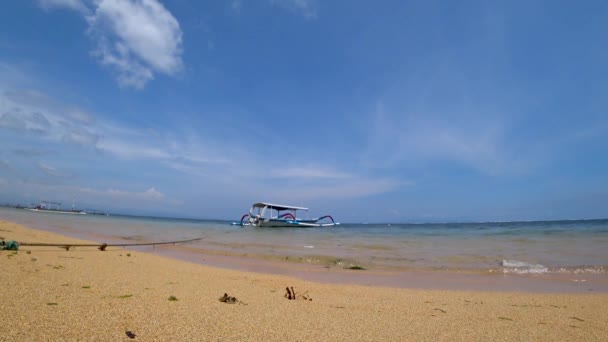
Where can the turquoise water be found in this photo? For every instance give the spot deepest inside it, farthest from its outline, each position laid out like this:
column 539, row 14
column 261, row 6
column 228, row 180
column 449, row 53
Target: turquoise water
column 546, row 247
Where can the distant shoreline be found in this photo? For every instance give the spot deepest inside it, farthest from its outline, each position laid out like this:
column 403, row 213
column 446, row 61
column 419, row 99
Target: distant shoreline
column 448, row 222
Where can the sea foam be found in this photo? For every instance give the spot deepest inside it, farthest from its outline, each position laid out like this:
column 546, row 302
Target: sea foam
column 522, row 267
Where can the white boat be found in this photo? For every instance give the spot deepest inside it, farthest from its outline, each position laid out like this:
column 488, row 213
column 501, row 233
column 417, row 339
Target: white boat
column 278, row 215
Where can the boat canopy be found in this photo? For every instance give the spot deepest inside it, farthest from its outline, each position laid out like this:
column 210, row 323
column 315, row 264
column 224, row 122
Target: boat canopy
column 278, row 207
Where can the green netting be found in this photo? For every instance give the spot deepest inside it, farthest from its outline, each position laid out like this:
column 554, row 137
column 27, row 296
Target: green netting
column 10, row 245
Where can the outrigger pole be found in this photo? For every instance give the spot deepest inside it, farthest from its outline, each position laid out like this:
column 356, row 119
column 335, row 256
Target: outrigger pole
column 102, row 246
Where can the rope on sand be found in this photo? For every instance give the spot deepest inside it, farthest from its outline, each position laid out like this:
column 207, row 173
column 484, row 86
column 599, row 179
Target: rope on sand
column 102, row 246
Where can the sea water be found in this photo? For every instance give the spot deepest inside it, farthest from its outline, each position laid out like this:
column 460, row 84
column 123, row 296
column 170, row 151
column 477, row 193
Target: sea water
column 542, row 247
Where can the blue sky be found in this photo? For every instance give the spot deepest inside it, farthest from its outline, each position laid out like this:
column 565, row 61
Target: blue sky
column 391, row 111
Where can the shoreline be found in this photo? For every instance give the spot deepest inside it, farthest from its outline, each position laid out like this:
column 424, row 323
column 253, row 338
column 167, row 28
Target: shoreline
column 564, row 252
column 409, row 279
column 50, row 293
column 436, row 279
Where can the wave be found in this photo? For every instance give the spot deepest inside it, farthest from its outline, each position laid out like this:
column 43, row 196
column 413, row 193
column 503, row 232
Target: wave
column 582, row 270
column 522, row 267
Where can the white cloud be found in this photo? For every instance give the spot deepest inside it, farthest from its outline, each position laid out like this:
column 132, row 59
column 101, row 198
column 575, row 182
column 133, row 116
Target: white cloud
column 130, row 72
column 306, row 8
column 137, row 38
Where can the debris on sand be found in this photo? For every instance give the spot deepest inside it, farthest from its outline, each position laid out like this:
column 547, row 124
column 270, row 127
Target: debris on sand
column 292, row 295
column 230, row 300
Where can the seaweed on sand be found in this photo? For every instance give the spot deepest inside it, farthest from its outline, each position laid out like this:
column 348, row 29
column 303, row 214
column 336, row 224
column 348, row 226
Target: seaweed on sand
column 355, row 267
column 230, row 300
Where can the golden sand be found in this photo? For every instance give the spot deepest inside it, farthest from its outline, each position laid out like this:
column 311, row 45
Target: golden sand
column 83, row 294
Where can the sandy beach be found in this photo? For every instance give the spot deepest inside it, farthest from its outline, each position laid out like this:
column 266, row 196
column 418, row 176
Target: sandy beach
column 49, row 293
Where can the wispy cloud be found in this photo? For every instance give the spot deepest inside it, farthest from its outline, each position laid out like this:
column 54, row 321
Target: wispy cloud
column 306, row 8
column 151, row 194
column 184, row 156
column 6, row 166
column 309, row 173
column 52, row 171
column 131, row 150
column 109, row 197
column 32, row 152
column 204, row 162
column 42, row 118
column 33, row 112
column 76, row 5
column 136, row 38
column 236, row 6
column 417, row 138
column 487, row 139
column 356, row 187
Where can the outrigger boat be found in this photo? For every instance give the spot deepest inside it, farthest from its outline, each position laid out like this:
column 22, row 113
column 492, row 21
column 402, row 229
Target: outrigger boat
column 262, row 215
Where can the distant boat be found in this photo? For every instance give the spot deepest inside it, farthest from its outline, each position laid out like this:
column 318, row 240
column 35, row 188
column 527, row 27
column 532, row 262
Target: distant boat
column 46, row 206
column 261, row 215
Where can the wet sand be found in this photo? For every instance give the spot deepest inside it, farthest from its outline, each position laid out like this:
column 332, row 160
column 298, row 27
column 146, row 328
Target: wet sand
column 85, row 294
column 475, row 280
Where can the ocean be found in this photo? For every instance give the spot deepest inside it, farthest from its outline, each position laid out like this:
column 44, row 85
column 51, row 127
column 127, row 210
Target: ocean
column 575, row 249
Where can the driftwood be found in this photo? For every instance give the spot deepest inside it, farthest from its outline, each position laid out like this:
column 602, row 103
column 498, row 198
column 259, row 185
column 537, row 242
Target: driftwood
column 292, row 295
column 288, row 295
column 103, row 246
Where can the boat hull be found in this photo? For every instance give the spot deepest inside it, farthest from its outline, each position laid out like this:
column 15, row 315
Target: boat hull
column 291, row 223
